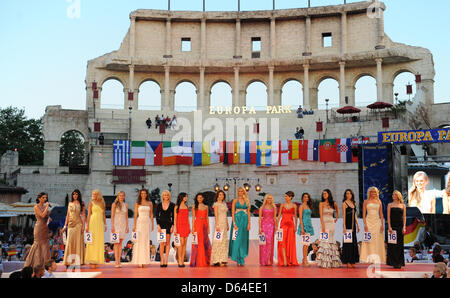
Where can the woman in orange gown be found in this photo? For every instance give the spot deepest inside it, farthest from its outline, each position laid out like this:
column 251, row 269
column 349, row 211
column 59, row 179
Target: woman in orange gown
column 287, row 252
column 201, row 252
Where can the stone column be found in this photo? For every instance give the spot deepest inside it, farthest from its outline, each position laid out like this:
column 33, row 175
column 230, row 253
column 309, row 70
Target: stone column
column 343, row 33
column 427, row 85
column 379, row 62
column 313, row 95
column 51, row 155
column 132, row 47
column 166, row 103
column 270, row 90
column 350, row 92
column 273, row 39
column 237, row 52
column 307, row 37
column 380, row 29
column 168, row 49
column 203, row 53
column 306, row 94
column 201, row 105
column 388, row 92
column 342, row 84
column 236, row 101
column 277, row 97
column 133, row 103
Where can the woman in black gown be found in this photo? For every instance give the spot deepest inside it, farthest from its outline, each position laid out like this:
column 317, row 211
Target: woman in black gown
column 396, row 222
column 350, row 254
column 165, row 221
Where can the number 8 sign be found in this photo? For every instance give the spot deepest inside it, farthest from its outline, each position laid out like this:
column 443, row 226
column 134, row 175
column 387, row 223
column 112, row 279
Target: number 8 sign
column 218, row 236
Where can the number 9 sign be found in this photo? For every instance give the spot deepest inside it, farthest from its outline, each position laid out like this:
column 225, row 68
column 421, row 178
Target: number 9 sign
column 235, row 233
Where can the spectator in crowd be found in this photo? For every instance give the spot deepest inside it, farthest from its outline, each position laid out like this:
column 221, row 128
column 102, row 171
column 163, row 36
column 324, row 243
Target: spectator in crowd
column 50, row 267
column 128, row 252
column 157, row 119
column 173, row 122
column 166, row 121
column 27, row 272
column 412, row 254
column 16, row 275
column 439, row 271
column 299, row 133
column 428, row 238
column 417, row 246
column 437, row 253
column 313, row 253
column 56, row 256
column 300, row 112
column 149, row 123
column 101, row 139
column 38, row 271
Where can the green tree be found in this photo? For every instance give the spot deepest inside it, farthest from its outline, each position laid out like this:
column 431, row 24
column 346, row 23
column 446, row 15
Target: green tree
column 71, row 149
column 25, row 135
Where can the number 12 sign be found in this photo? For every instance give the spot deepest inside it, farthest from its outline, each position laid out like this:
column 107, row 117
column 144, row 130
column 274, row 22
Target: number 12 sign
column 306, row 239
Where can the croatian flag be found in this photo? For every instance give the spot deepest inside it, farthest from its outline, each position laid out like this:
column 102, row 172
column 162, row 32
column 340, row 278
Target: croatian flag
column 121, row 153
column 313, row 150
column 344, row 148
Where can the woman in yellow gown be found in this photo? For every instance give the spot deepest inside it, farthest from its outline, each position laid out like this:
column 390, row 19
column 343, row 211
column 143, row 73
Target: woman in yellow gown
column 96, row 225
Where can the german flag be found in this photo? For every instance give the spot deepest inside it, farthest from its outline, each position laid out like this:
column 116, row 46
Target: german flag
column 413, row 226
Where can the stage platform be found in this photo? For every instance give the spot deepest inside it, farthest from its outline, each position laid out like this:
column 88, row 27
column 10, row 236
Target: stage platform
column 252, row 269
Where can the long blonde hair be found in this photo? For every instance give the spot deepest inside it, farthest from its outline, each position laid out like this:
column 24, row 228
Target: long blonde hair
column 377, row 191
column 399, row 196
column 117, row 202
column 265, row 201
column 168, row 192
column 413, row 193
column 245, row 196
column 98, row 198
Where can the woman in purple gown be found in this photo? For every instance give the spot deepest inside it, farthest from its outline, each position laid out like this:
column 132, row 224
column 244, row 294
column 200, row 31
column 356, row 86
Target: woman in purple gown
column 267, row 218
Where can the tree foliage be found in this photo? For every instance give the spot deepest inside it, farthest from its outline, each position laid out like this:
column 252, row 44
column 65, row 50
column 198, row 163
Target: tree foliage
column 71, row 149
column 25, row 135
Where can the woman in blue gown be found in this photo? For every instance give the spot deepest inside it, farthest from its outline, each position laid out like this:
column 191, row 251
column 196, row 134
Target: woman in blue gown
column 238, row 249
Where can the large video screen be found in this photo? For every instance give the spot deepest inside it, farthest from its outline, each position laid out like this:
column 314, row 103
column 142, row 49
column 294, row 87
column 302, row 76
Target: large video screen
column 428, row 193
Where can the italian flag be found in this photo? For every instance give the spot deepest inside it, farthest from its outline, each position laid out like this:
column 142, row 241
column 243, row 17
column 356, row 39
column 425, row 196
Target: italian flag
column 138, row 153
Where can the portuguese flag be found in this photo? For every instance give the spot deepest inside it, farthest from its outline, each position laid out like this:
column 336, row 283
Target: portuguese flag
column 328, row 151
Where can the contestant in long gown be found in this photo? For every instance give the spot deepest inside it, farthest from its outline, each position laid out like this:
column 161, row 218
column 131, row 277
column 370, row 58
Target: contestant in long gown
column 268, row 228
column 141, row 248
column 95, row 252
column 74, row 251
column 350, row 254
column 219, row 253
column 328, row 254
column 201, row 252
column 288, row 243
column 40, row 251
column 397, row 220
column 373, row 251
column 238, row 249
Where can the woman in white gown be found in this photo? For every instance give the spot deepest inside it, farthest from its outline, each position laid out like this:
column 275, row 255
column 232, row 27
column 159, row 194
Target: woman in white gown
column 143, row 217
column 375, row 250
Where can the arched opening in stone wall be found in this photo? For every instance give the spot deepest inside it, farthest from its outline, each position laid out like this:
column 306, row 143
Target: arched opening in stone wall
column 401, row 81
column 292, row 94
column 328, row 89
column 221, row 95
column 149, row 96
column 256, row 96
column 185, row 97
column 112, row 96
column 72, row 149
column 365, row 91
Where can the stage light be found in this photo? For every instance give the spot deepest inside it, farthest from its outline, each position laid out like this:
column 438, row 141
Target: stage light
column 226, row 187
column 258, row 187
column 216, row 187
column 247, row 186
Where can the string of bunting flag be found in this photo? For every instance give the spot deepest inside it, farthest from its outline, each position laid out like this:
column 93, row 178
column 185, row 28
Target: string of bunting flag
column 260, row 153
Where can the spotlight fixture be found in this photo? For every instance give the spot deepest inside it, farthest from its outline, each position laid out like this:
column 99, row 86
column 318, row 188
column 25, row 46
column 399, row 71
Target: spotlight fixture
column 226, row 187
column 216, row 187
column 258, row 187
column 247, row 187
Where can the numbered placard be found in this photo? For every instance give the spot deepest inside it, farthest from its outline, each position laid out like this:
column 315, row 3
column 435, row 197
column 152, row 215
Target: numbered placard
column 88, row 238
column 235, row 233
column 177, row 240
column 218, row 236
column 392, row 237
column 279, row 235
column 194, row 239
column 348, row 236
column 306, row 239
column 324, row 236
column 162, row 236
column 262, row 239
column 64, row 238
column 115, row 238
column 367, row 237
column 134, row 236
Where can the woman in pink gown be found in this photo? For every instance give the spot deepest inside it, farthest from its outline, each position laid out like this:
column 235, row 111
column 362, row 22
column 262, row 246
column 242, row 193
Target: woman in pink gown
column 267, row 219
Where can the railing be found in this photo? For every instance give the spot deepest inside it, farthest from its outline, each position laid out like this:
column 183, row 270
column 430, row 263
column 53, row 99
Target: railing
column 429, row 158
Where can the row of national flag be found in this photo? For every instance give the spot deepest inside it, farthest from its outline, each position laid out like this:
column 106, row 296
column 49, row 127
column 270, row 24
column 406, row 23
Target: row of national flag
column 262, row 154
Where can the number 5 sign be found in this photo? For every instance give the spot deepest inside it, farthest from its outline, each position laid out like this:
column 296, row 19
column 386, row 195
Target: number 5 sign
column 162, row 236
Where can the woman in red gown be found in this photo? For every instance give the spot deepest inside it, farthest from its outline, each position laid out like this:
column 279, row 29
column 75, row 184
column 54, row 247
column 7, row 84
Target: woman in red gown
column 287, row 252
column 181, row 224
column 201, row 252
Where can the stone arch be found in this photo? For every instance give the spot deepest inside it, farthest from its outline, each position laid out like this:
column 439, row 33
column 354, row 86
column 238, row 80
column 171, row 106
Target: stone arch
column 142, row 103
column 214, row 82
column 253, row 99
column 365, row 91
column 401, row 89
column 223, row 99
column 186, row 99
column 356, row 78
column 322, row 78
column 181, row 81
column 111, row 96
column 255, row 79
column 331, row 92
column 399, row 71
column 288, row 93
column 73, row 148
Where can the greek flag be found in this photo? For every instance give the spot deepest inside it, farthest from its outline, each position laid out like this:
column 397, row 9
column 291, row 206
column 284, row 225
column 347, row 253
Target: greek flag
column 121, row 153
